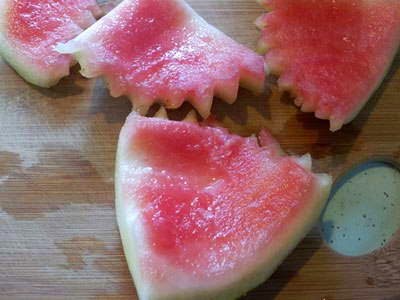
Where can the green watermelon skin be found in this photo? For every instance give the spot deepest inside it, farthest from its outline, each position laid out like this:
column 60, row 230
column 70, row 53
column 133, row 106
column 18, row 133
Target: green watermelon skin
column 30, row 30
column 163, row 51
column 172, row 244
column 332, row 55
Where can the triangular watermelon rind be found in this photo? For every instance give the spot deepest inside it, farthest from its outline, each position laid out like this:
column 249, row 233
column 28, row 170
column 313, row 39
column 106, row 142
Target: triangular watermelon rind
column 131, row 168
column 163, row 51
column 331, row 55
column 46, row 69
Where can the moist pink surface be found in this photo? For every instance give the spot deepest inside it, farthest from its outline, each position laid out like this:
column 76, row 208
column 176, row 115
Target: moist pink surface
column 212, row 200
column 331, row 53
column 160, row 50
column 36, row 26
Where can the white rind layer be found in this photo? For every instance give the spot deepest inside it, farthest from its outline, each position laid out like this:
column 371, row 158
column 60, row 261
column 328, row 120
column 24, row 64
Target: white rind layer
column 244, row 279
column 336, row 122
column 228, row 92
column 26, row 66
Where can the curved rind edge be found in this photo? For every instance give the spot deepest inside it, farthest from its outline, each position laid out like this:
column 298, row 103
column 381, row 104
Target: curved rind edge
column 27, row 69
column 335, row 123
column 277, row 251
column 77, row 49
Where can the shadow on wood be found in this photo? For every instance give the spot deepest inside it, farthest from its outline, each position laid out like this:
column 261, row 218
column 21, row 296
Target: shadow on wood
column 238, row 111
column 66, row 87
column 286, row 271
column 114, row 110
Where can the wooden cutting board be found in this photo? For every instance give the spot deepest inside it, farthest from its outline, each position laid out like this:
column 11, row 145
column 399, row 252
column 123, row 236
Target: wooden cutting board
column 58, row 235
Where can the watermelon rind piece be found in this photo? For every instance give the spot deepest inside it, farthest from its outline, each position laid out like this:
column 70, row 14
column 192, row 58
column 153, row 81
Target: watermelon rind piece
column 42, row 71
column 337, row 82
column 242, row 280
column 202, row 63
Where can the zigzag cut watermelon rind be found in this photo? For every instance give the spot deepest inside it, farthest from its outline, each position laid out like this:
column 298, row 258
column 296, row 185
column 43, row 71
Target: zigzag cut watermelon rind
column 161, row 50
column 331, row 54
column 204, row 214
column 29, row 31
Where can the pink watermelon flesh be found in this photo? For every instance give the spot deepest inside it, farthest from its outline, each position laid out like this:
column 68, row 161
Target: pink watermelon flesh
column 29, row 31
column 161, row 50
column 332, row 54
column 204, row 214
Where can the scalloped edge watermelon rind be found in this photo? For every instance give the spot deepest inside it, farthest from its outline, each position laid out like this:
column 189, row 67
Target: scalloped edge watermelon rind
column 335, row 123
column 27, row 69
column 277, row 251
column 142, row 104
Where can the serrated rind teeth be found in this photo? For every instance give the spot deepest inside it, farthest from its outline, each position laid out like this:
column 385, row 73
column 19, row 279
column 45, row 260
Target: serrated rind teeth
column 335, row 124
column 140, row 104
column 273, row 62
column 324, row 180
column 320, row 114
column 255, row 86
column 266, row 140
column 82, row 56
column 141, row 109
column 203, row 104
column 191, row 117
column 260, row 22
column 173, row 104
column 227, row 91
column 307, row 106
column 115, row 89
column 171, row 99
column 161, row 113
column 305, row 161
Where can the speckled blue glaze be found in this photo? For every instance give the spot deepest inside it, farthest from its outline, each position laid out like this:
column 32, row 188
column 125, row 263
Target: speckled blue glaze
column 363, row 211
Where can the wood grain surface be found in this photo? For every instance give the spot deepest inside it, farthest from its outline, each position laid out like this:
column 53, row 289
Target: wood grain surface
column 58, row 235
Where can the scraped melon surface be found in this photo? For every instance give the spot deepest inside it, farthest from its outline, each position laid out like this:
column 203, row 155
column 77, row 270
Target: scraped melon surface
column 332, row 54
column 162, row 51
column 29, row 31
column 206, row 213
